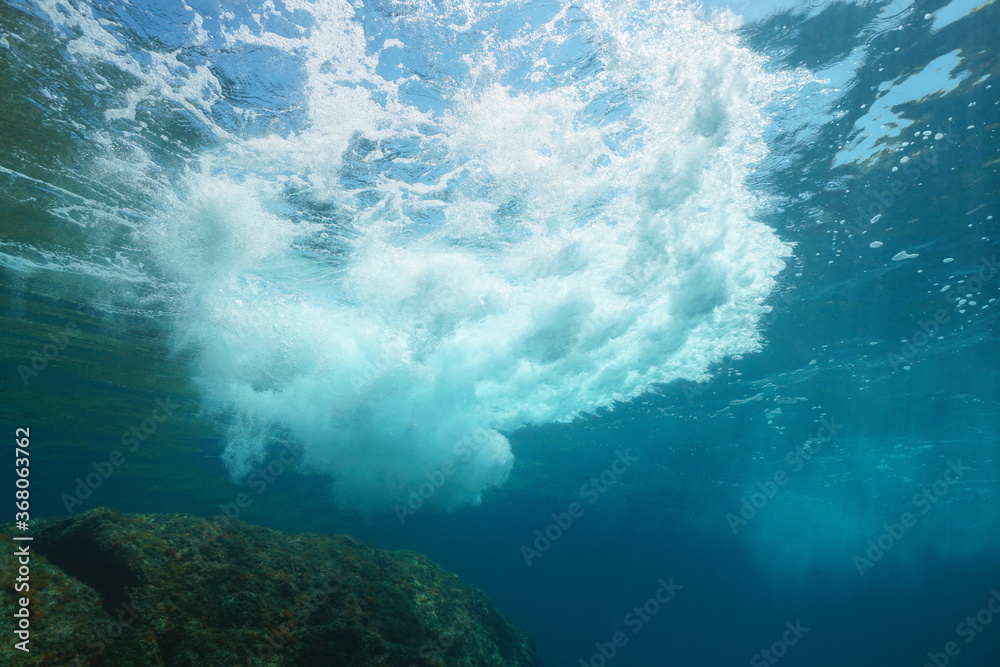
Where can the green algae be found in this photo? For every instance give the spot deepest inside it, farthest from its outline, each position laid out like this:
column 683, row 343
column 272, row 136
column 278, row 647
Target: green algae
column 171, row 589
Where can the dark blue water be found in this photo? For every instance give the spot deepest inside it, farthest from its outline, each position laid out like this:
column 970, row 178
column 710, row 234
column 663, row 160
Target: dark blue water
column 675, row 333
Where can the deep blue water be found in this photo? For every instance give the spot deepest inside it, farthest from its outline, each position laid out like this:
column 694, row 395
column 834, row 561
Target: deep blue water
column 587, row 302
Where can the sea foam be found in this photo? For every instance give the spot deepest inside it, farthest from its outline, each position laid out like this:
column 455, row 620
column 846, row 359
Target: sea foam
column 485, row 217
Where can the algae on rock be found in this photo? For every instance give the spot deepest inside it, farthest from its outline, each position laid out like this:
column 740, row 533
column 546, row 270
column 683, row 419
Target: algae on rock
column 170, row 589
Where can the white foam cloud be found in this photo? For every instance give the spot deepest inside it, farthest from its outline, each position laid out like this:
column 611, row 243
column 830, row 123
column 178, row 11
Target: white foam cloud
column 393, row 289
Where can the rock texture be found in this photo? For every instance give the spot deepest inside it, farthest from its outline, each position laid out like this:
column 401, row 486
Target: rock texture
column 169, row 589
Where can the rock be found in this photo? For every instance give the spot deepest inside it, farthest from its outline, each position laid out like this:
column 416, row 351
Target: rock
column 175, row 590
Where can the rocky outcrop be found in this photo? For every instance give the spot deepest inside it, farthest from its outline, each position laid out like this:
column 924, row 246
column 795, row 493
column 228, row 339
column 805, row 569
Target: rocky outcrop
column 169, row 589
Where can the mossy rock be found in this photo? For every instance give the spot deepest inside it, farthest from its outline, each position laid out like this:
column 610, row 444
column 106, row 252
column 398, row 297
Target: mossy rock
column 175, row 590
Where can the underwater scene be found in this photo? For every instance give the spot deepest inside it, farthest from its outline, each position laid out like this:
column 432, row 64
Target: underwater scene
column 424, row 333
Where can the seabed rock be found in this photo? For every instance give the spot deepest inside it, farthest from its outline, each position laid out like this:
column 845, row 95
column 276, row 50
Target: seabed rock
column 175, row 590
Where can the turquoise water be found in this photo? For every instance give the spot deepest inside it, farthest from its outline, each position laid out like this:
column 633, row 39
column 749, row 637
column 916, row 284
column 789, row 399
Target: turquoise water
column 648, row 318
